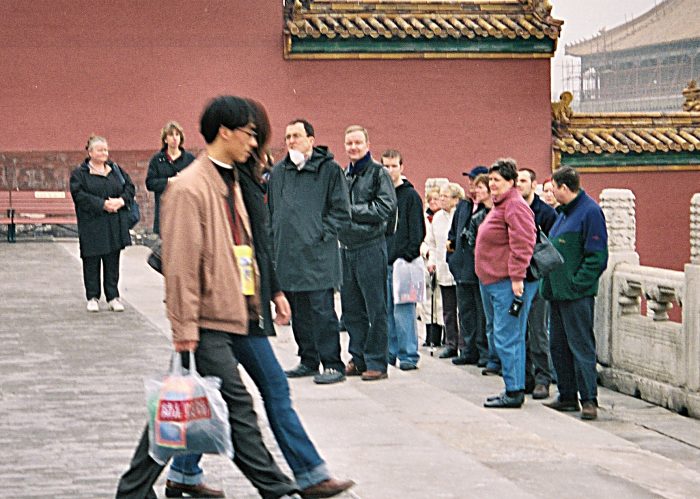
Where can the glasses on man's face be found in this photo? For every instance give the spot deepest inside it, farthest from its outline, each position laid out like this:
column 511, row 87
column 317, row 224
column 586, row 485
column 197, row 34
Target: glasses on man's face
column 248, row 132
column 294, row 136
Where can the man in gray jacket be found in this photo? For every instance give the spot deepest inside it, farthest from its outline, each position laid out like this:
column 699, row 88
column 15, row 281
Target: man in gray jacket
column 309, row 205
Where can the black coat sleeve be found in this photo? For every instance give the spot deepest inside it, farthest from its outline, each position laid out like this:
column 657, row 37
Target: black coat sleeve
column 416, row 227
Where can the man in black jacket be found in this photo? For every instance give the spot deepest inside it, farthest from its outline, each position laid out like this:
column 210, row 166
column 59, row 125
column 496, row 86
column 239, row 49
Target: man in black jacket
column 472, row 324
column 364, row 257
column 538, row 375
column 403, row 244
column 309, row 206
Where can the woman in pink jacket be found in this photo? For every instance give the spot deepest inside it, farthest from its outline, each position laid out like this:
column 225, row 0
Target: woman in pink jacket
column 503, row 251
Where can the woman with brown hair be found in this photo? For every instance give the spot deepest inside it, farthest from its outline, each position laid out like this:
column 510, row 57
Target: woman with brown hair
column 166, row 164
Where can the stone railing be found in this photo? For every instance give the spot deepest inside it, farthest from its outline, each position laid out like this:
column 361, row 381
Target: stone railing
column 648, row 355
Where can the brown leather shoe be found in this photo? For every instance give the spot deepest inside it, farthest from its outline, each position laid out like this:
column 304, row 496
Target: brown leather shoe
column 352, row 370
column 589, row 410
column 327, row 488
column 174, row 489
column 374, row 375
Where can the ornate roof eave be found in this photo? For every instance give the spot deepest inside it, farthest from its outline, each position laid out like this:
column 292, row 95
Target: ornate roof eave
column 328, row 29
column 604, row 142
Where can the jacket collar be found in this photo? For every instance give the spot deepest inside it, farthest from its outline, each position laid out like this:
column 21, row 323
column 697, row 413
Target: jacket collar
column 509, row 194
column 359, row 166
column 566, row 208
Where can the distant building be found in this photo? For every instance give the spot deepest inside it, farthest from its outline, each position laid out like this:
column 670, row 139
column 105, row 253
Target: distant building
column 641, row 65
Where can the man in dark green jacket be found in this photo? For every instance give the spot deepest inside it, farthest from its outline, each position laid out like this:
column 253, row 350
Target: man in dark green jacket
column 309, row 205
column 580, row 235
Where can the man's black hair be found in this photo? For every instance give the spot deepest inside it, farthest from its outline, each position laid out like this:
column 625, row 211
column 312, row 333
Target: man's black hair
column 308, row 128
column 225, row 110
column 567, row 176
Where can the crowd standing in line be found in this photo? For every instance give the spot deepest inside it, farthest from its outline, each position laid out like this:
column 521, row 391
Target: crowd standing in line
column 342, row 229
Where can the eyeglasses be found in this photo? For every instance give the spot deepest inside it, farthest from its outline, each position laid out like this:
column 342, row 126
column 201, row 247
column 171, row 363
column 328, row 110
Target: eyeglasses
column 294, row 136
column 248, row 131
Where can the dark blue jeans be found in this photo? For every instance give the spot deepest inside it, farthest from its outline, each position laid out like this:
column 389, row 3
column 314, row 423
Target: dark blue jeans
column 572, row 344
column 363, row 297
column 258, row 359
column 315, row 327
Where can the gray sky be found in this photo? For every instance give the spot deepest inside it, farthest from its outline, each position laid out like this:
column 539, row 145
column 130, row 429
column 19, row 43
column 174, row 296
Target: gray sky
column 584, row 18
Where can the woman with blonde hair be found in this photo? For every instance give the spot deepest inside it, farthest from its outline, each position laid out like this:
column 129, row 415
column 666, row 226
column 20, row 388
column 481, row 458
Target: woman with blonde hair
column 436, row 239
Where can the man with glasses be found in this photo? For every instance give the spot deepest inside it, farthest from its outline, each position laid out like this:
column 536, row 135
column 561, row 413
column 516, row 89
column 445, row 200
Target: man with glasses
column 210, row 306
column 309, row 206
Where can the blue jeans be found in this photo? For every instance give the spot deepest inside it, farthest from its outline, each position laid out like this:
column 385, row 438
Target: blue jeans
column 185, row 469
column 403, row 340
column 507, row 331
column 363, row 297
column 258, row 359
column 572, row 343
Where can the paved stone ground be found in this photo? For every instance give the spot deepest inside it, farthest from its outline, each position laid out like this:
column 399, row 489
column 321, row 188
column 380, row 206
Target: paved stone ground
column 72, row 408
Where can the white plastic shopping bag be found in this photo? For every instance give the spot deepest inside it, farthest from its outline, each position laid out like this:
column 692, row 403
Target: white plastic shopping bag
column 186, row 414
column 409, row 281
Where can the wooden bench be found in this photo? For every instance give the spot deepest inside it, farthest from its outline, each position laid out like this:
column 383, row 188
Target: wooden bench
column 35, row 208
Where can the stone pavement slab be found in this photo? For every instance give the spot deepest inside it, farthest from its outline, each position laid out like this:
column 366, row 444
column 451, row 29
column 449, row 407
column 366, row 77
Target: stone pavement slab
column 72, row 408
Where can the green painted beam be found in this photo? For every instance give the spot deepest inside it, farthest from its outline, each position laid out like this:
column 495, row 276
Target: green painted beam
column 618, row 159
column 369, row 45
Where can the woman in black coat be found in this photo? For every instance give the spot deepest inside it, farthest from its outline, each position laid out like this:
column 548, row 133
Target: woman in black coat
column 166, row 164
column 102, row 193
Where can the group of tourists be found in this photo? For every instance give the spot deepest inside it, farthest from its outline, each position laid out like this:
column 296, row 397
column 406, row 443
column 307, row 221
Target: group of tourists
column 237, row 239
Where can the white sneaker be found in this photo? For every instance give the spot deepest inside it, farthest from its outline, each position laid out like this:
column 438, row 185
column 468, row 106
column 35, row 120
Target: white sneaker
column 93, row 305
column 116, row 306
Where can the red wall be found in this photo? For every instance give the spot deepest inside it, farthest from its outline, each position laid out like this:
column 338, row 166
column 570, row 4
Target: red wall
column 663, row 212
column 122, row 68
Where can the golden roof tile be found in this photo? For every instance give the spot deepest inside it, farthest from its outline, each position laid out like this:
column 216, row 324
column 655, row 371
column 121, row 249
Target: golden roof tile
column 427, row 19
column 624, row 133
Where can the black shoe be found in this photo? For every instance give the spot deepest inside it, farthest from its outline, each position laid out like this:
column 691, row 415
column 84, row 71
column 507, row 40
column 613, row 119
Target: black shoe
column 491, row 371
column 408, row 366
column 589, row 410
column 174, row 489
column 505, row 401
column 329, row 376
column 463, row 360
column 301, row 371
column 564, row 405
column 540, row 392
column 447, row 353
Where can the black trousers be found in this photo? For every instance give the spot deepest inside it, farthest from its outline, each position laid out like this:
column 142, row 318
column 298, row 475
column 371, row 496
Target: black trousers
column 537, row 357
column 92, row 275
column 449, row 316
column 214, row 357
column 315, row 327
column 363, row 297
column 472, row 323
